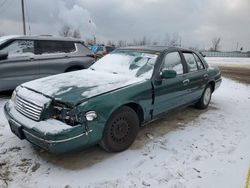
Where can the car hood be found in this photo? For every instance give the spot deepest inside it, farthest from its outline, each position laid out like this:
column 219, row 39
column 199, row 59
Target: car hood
column 78, row 86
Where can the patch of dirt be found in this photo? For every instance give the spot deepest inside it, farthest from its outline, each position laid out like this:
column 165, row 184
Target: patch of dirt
column 24, row 165
column 35, row 167
column 241, row 74
column 15, row 149
column 167, row 123
column 4, row 174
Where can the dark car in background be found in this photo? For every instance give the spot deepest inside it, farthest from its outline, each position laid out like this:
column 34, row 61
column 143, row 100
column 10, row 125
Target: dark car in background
column 25, row 58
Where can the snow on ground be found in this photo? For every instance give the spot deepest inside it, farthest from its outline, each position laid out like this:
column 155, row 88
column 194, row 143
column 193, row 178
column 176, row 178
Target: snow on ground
column 212, row 150
column 228, row 61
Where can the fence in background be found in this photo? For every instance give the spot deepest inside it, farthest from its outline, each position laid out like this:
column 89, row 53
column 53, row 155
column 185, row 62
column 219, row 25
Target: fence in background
column 226, row 54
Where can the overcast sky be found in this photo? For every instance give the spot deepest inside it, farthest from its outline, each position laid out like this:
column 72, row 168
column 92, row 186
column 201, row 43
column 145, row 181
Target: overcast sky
column 196, row 21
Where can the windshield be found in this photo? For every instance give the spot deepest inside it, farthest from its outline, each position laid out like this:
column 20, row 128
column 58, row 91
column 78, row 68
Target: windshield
column 128, row 62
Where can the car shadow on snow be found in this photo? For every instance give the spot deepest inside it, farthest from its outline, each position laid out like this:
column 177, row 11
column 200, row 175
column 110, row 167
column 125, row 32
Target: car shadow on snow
column 5, row 94
column 172, row 121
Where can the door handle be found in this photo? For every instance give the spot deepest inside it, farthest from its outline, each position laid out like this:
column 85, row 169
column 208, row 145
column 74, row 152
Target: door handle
column 185, row 81
column 205, row 76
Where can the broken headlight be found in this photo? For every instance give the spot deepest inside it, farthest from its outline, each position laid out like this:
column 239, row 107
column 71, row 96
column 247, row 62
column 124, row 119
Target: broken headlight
column 65, row 114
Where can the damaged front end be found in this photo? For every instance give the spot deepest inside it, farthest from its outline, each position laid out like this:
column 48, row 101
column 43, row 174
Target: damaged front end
column 61, row 127
column 72, row 115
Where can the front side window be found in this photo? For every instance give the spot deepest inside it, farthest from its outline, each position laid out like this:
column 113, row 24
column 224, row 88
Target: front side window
column 20, row 48
column 173, row 62
column 191, row 63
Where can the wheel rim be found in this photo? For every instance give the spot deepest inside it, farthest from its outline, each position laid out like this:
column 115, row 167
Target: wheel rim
column 120, row 130
column 207, row 96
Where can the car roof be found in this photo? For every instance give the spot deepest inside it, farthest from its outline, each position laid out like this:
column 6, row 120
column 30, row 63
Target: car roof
column 155, row 48
column 43, row 37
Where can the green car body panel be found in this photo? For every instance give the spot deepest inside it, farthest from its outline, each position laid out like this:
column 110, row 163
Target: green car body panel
column 148, row 98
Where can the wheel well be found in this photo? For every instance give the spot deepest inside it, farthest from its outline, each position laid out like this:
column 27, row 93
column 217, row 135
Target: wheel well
column 75, row 67
column 212, row 83
column 138, row 109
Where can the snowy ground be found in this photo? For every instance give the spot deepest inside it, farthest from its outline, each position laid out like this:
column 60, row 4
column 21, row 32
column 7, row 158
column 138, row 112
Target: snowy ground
column 188, row 148
column 245, row 62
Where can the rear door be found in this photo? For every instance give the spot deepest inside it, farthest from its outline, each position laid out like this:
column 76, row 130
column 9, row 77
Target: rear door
column 20, row 66
column 197, row 76
column 53, row 56
column 170, row 93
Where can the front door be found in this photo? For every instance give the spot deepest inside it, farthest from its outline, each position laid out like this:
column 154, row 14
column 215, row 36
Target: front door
column 20, row 66
column 170, row 93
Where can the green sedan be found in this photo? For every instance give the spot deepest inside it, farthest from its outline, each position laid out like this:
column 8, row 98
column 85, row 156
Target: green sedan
column 108, row 103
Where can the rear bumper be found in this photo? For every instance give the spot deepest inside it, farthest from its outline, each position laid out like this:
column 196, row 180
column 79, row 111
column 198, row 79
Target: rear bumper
column 217, row 83
column 66, row 140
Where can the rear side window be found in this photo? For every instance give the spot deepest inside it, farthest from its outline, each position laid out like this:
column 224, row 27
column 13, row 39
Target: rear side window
column 54, row 47
column 199, row 63
column 173, row 62
column 191, row 63
column 20, row 47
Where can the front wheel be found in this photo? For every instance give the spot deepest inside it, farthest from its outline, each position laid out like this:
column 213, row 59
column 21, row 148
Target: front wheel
column 120, row 130
column 205, row 98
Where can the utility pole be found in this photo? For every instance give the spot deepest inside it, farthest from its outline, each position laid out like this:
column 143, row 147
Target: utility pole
column 23, row 15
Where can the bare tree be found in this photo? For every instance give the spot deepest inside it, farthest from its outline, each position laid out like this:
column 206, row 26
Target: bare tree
column 144, row 41
column 174, row 40
column 215, row 44
column 167, row 40
column 196, row 48
column 76, row 34
column 155, row 42
column 110, row 43
column 140, row 42
column 65, row 31
column 89, row 41
column 122, row 43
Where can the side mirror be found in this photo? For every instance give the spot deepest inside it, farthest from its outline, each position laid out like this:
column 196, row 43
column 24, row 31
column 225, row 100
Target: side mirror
column 3, row 55
column 168, row 74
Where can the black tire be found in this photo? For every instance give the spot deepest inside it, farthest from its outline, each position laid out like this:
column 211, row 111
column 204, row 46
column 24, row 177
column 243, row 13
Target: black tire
column 205, row 99
column 120, row 130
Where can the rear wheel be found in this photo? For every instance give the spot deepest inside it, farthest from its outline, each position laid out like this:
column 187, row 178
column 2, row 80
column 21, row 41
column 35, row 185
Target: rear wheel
column 205, row 98
column 120, row 130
